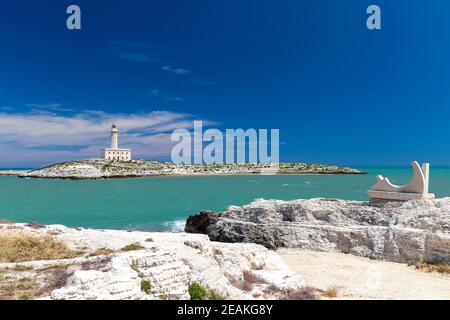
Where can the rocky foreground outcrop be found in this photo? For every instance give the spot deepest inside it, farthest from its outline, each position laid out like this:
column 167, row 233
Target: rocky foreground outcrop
column 100, row 168
column 407, row 232
column 115, row 265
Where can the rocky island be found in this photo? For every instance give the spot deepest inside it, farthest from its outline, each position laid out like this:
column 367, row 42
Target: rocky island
column 102, row 168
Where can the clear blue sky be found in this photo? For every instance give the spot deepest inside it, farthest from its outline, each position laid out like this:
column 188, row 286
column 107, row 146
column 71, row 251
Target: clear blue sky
column 338, row 92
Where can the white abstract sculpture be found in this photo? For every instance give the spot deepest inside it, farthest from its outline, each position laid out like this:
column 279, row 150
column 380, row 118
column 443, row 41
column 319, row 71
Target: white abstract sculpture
column 417, row 188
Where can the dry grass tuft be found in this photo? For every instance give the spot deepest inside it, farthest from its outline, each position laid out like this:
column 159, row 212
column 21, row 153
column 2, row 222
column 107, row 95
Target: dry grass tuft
column 132, row 247
column 306, row 293
column 331, row 292
column 57, row 279
column 20, row 289
column 251, row 277
column 27, row 248
column 98, row 264
column 438, row 267
column 19, row 268
column 38, row 283
column 248, row 282
column 101, row 252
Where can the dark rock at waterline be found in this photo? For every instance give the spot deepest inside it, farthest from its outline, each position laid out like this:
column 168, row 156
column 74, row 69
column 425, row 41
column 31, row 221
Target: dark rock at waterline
column 199, row 223
column 221, row 230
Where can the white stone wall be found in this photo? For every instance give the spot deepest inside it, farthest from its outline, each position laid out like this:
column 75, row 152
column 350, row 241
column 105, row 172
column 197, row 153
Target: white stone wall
column 117, row 154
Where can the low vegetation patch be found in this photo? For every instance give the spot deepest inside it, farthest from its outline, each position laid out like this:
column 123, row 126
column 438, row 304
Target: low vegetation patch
column 331, row 292
column 101, row 251
column 248, row 282
column 57, row 279
column 199, row 292
column 15, row 285
column 132, row 247
column 251, row 277
column 28, row 248
column 97, row 264
column 306, row 293
column 145, row 286
column 22, row 268
column 149, row 240
column 438, row 267
column 19, row 289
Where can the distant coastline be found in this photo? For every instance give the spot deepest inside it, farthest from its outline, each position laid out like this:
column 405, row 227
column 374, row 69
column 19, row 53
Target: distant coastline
column 13, row 172
column 104, row 169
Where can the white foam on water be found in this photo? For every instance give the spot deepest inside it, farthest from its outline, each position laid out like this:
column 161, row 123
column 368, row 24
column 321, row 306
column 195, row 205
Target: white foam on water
column 175, row 226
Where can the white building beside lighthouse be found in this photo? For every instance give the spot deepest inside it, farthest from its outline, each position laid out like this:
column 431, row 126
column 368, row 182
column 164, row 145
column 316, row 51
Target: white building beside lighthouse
column 114, row 153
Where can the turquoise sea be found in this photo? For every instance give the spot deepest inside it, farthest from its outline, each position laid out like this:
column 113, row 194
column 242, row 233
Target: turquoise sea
column 163, row 203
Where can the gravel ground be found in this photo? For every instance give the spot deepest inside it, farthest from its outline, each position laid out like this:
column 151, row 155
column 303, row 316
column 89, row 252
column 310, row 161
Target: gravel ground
column 362, row 278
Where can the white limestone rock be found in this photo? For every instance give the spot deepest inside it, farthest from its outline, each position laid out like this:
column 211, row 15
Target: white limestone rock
column 170, row 262
column 411, row 231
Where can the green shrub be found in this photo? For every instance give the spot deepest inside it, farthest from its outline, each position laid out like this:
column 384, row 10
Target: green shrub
column 145, row 286
column 199, row 292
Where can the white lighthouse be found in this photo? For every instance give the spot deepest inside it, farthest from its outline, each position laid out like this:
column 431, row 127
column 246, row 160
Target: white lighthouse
column 114, row 137
column 115, row 153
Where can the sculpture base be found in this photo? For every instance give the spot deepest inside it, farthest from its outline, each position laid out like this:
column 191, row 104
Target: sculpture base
column 400, row 196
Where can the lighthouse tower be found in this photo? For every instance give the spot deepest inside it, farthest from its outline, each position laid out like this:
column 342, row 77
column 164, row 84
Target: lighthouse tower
column 114, row 137
column 115, row 153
